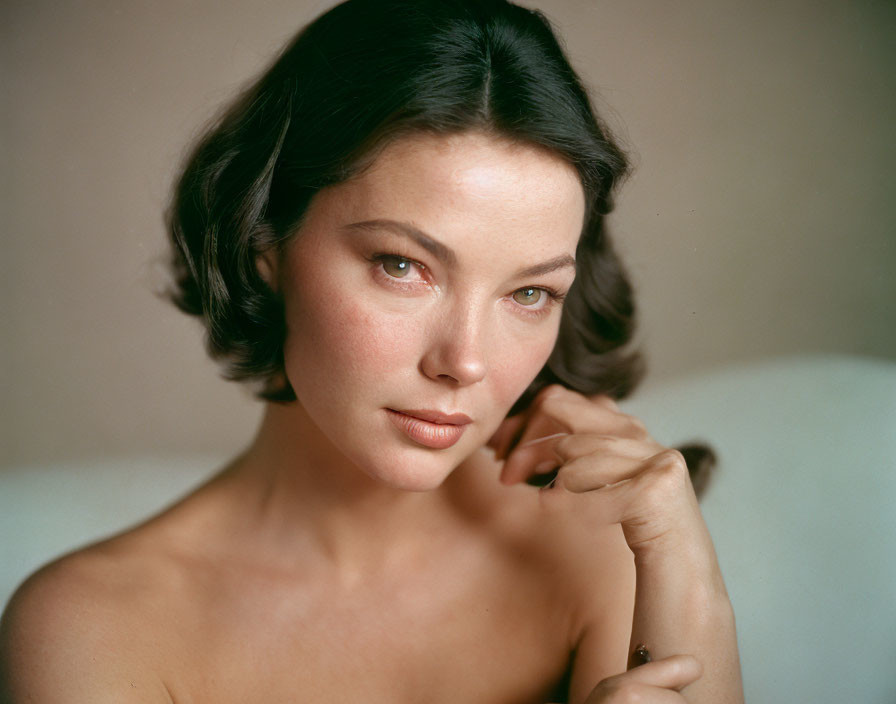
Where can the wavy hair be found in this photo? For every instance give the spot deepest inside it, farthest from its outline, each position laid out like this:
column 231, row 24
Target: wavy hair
column 361, row 75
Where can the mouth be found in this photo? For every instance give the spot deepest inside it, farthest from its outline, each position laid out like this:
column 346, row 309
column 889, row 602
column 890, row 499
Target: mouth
column 437, row 416
column 432, row 429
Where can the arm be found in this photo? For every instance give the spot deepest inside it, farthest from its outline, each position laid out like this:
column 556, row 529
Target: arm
column 681, row 606
column 58, row 644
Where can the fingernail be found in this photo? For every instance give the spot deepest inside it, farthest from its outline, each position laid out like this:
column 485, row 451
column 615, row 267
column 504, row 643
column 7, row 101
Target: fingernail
column 544, row 467
column 546, row 437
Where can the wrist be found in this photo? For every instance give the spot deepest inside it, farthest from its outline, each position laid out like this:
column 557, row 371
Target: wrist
column 680, row 567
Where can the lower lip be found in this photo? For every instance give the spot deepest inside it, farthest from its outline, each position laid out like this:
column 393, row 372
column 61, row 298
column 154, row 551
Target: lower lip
column 435, row 435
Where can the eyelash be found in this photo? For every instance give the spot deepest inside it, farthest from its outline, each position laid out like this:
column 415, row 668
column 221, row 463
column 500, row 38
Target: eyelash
column 555, row 297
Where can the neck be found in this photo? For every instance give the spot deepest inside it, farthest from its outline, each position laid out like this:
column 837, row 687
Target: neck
column 297, row 486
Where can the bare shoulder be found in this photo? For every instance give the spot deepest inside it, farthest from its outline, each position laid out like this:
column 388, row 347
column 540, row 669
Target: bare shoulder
column 600, row 570
column 580, row 558
column 566, row 536
column 596, row 559
column 76, row 631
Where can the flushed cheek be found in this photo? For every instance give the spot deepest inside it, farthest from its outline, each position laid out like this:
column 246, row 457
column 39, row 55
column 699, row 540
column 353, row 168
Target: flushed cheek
column 353, row 337
column 379, row 341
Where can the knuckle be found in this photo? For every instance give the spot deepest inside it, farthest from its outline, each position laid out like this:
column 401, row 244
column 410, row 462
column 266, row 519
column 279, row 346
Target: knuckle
column 549, row 404
column 604, row 401
column 671, row 462
column 551, row 391
column 607, row 401
column 636, row 427
column 571, row 478
column 669, row 473
column 542, row 398
column 562, row 478
column 573, row 446
column 565, row 447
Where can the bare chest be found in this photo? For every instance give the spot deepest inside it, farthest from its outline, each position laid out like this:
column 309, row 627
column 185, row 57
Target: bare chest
column 489, row 636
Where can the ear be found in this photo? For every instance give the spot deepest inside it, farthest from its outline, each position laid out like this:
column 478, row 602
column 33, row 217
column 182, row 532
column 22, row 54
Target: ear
column 267, row 266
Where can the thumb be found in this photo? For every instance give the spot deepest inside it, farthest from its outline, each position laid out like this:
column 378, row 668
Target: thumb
column 672, row 673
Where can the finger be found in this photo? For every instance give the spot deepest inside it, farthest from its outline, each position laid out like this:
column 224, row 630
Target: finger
column 539, row 424
column 656, row 500
column 535, row 456
column 672, row 673
column 633, row 692
column 592, row 474
column 596, row 454
column 580, row 445
column 593, row 462
column 504, row 436
column 596, row 414
column 534, row 444
column 604, row 400
column 556, row 409
column 527, row 423
column 536, row 422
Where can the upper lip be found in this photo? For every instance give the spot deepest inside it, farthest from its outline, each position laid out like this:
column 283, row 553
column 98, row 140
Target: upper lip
column 438, row 416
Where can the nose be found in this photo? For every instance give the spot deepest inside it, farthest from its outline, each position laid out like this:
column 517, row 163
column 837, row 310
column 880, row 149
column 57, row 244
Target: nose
column 456, row 351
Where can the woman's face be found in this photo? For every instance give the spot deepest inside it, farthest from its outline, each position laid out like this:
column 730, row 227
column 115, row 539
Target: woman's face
column 405, row 290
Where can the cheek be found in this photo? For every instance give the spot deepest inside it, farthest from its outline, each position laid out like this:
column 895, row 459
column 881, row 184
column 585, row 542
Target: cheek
column 342, row 331
column 337, row 332
column 516, row 363
column 377, row 341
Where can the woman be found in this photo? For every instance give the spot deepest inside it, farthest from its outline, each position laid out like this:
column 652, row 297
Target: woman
column 397, row 234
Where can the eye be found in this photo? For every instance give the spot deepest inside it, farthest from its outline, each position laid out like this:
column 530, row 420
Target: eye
column 395, row 266
column 530, row 297
column 537, row 301
column 394, row 269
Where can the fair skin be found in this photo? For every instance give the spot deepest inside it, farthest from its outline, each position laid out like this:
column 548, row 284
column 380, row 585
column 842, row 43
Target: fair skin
column 339, row 559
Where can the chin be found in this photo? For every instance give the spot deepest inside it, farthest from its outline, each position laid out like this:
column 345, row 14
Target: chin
column 400, row 463
column 414, row 470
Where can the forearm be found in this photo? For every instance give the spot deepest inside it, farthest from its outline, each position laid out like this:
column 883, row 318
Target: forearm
column 682, row 607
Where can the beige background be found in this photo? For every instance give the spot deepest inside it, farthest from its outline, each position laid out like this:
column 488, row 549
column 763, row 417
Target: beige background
column 758, row 222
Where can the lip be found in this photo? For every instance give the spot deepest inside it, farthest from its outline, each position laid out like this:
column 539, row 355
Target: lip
column 437, row 416
column 430, row 433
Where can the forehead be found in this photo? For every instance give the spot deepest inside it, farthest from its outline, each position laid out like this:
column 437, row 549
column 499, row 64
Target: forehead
column 471, row 188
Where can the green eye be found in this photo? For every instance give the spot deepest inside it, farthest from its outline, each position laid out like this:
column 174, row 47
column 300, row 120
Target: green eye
column 396, row 267
column 528, row 296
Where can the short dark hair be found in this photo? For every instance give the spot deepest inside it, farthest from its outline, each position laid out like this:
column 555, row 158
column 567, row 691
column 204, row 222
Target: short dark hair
column 358, row 77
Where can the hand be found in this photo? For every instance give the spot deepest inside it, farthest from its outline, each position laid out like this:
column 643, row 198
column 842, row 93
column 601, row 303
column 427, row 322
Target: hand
column 601, row 451
column 657, row 682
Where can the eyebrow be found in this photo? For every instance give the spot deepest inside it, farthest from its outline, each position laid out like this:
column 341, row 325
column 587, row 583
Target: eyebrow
column 447, row 255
